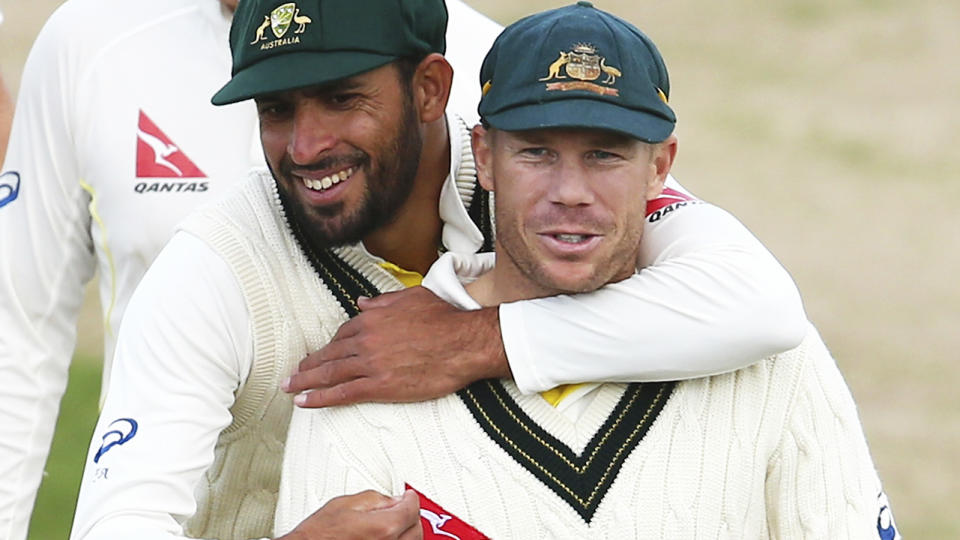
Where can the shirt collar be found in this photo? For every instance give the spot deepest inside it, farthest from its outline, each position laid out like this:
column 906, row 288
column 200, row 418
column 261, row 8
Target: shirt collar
column 459, row 234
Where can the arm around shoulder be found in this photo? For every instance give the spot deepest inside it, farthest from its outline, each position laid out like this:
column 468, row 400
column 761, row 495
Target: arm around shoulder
column 709, row 298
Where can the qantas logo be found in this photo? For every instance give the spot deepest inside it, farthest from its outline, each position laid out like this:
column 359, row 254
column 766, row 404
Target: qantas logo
column 9, row 187
column 668, row 201
column 158, row 156
column 438, row 523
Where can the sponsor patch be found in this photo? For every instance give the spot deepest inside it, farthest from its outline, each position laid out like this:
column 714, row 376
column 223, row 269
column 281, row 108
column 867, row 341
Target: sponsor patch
column 886, row 527
column 158, row 156
column 438, row 523
column 171, row 187
column 123, row 430
column 668, row 201
column 9, row 187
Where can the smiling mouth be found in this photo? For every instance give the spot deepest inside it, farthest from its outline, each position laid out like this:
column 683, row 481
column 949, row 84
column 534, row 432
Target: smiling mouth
column 327, row 182
column 572, row 238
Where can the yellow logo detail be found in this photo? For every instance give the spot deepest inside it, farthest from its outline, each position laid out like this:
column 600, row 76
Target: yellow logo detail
column 584, row 64
column 279, row 21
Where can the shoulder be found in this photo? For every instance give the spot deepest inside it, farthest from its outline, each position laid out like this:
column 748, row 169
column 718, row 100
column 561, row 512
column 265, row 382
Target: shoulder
column 86, row 26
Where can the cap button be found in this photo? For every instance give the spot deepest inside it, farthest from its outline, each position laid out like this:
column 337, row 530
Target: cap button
column 584, row 3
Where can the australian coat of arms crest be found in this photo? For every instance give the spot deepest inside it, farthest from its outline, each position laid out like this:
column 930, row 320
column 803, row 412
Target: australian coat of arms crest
column 586, row 66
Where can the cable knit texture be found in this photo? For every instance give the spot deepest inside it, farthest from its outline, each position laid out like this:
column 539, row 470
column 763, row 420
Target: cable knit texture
column 771, row 451
column 292, row 313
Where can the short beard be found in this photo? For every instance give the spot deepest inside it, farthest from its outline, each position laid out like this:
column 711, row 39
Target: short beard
column 389, row 185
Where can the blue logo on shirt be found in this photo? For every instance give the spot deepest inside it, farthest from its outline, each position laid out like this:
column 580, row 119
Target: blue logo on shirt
column 886, row 528
column 126, row 430
column 9, row 187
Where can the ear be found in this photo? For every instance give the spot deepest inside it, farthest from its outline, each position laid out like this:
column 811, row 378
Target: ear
column 483, row 156
column 431, row 87
column 661, row 162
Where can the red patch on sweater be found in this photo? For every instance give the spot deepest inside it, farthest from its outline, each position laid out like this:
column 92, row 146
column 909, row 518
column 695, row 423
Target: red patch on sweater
column 437, row 523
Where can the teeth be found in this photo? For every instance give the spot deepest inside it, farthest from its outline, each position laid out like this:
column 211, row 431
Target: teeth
column 571, row 238
column 328, row 181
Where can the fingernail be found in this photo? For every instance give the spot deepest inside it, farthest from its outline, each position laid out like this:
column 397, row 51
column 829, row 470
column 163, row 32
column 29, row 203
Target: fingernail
column 285, row 385
column 299, row 400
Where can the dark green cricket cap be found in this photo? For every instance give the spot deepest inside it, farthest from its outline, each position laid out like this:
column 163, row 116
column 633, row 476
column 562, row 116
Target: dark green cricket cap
column 576, row 67
column 278, row 45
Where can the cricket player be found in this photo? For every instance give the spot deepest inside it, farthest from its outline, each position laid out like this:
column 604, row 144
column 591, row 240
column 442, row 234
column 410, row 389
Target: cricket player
column 574, row 157
column 369, row 179
column 115, row 142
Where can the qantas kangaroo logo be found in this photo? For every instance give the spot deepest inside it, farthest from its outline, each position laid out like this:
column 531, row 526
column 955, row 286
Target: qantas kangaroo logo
column 158, row 156
column 437, row 521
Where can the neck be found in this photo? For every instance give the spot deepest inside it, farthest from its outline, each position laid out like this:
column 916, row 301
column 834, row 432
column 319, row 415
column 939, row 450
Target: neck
column 496, row 287
column 411, row 240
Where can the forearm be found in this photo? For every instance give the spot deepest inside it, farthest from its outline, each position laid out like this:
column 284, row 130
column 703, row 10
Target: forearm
column 183, row 352
column 41, row 278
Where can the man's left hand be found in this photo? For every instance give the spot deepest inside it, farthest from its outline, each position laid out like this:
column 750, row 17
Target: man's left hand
column 404, row 346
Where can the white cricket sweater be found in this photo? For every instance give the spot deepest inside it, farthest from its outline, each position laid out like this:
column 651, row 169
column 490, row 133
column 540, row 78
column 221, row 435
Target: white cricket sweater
column 774, row 450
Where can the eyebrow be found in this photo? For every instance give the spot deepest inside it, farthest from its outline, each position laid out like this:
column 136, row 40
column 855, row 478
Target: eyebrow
column 341, row 85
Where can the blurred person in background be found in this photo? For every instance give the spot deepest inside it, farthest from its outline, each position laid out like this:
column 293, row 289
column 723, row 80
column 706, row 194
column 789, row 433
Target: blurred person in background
column 6, row 115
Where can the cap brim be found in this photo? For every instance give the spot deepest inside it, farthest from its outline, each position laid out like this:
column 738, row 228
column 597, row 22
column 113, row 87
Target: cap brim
column 584, row 113
column 297, row 70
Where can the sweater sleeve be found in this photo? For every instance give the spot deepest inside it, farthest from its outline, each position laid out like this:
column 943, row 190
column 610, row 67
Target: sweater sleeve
column 821, row 481
column 46, row 256
column 709, row 298
column 183, row 350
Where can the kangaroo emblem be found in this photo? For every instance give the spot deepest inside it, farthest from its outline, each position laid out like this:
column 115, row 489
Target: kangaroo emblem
column 555, row 67
column 302, row 20
column 437, row 522
column 612, row 72
column 263, row 28
column 161, row 151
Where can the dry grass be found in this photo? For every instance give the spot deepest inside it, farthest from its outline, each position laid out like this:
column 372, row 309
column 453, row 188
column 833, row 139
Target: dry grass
column 831, row 129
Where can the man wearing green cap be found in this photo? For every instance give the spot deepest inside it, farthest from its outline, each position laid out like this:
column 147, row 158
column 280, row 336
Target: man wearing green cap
column 573, row 157
column 368, row 180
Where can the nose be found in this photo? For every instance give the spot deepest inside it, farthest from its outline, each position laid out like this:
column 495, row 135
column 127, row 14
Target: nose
column 570, row 185
column 312, row 134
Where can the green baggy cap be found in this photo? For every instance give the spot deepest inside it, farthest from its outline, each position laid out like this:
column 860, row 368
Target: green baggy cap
column 576, row 67
column 280, row 46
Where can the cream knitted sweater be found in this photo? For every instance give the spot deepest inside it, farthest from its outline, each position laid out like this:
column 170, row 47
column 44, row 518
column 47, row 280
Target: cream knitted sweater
column 296, row 302
column 771, row 451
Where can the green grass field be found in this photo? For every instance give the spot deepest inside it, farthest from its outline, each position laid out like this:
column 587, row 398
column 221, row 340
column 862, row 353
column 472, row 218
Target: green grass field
column 78, row 414
column 829, row 127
